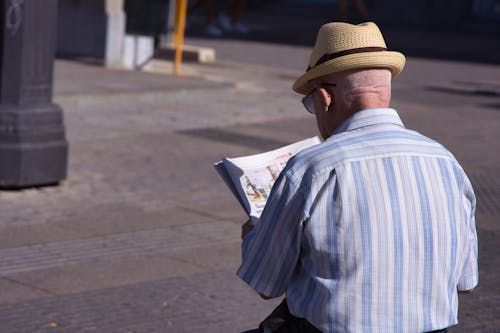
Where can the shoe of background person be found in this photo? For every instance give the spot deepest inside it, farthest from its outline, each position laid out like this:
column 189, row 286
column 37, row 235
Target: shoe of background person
column 225, row 22
column 213, row 31
column 240, row 28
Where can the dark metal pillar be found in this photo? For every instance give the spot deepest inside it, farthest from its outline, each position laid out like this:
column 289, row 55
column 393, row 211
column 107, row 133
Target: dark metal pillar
column 33, row 147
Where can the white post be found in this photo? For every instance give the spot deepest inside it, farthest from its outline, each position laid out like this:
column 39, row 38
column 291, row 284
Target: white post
column 115, row 32
column 170, row 22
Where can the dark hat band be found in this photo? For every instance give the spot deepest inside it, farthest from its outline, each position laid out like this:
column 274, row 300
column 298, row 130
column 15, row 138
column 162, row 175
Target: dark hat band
column 330, row 56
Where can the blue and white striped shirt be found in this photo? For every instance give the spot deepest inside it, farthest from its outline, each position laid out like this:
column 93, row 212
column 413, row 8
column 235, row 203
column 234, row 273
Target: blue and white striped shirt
column 371, row 231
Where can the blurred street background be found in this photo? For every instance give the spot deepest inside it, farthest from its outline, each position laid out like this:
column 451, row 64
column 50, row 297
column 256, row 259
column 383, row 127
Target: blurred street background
column 143, row 236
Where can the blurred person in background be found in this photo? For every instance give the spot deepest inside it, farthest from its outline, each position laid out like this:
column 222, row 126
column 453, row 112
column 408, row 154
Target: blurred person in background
column 227, row 21
column 359, row 6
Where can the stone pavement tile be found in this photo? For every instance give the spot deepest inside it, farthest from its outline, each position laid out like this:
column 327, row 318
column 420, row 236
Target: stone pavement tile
column 95, row 80
column 100, row 224
column 105, row 273
column 479, row 314
column 489, row 264
column 487, row 189
column 219, row 256
column 147, row 180
column 207, row 302
column 488, row 319
column 223, row 207
column 487, row 222
column 292, row 58
column 26, row 234
column 89, row 117
column 258, row 138
column 12, row 291
column 216, row 231
column 113, row 222
column 289, row 126
column 421, row 76
column 140, row 243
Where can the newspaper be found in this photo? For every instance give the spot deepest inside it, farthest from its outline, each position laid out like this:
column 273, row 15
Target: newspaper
column 251, row 178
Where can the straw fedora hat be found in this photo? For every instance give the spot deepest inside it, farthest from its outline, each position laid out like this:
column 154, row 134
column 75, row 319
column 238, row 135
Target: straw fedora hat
column 342, row 46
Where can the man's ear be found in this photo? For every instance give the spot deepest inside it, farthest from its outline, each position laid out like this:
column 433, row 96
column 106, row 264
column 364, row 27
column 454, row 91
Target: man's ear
column 326, row 98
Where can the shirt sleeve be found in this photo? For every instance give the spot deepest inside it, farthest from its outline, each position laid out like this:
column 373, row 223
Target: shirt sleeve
column 470, row 274
column 271, row 251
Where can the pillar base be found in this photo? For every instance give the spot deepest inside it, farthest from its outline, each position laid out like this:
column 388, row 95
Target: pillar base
column 33, row 148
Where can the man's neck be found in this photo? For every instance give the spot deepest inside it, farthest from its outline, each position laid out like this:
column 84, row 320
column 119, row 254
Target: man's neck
column 369, row 103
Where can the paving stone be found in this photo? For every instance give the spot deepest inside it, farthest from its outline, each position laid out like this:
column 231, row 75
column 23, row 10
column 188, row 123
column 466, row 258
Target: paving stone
column 209, row 302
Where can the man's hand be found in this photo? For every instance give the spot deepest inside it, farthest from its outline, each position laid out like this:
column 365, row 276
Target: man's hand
column 264, row 297
column 466, row 292
column 248, row 226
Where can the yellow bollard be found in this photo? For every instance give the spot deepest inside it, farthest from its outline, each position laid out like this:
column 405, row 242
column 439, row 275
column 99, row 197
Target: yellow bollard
column 178, row 35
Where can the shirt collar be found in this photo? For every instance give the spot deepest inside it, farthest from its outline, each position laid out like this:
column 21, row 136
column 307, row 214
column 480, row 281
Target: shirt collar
column 370, row 117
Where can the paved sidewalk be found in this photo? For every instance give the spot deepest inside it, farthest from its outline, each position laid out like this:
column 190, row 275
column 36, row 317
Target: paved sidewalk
column 144, row 237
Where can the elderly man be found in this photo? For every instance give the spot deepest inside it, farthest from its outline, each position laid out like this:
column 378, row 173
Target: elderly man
column 372, row 230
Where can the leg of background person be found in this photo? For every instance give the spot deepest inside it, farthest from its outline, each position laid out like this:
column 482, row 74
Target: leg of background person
column 208, row 7
column 194, row 6
column 230, row 19
column 342, row 10
column 361, row 9
column 235, row 10
column 210, row 28
column 209, row 11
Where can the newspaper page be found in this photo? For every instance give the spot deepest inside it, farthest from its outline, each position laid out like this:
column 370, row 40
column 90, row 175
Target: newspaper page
column 252, row 177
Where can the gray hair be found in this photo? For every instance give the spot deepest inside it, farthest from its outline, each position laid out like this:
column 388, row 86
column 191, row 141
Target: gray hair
column 366, row 80
column 354, row 85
